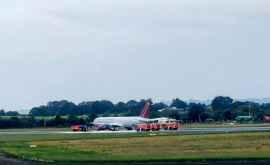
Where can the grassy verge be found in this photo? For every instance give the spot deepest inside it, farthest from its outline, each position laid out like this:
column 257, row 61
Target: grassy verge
column 106, row 148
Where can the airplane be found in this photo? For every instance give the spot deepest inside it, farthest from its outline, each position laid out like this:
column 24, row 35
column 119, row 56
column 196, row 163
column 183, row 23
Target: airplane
column 112, row 123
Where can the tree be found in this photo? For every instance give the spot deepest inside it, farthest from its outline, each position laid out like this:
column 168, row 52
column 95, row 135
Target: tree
column 158, row 106
column 120, row 107
column 62, row 107
column 14, row 122
column 246, row 108
column 221, row 103
column 132, row 104
column 227, row 115
column 197, row 112
column 174, row 115
column 40, row 111
column 12, row 113
column 91, row 117
column 222, row 106
column 85, row 108
column 59, row 121
column 72, row 119
column 134, row 107
column 53, row 108
column 103, row 106
column 178, row 104
column 2, row 112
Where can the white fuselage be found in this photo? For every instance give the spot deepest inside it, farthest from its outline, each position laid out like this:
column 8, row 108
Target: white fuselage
column 120, row 121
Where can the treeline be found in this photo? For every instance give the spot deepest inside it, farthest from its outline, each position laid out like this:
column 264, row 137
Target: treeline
column 33, row 122
column 221, row 109
column 8, row 113
column 102, row 107
column 65, row 113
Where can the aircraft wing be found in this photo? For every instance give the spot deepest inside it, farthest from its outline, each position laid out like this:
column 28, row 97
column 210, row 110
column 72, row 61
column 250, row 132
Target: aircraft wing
column 152, row 120
column 116, row 125
column 110, row 124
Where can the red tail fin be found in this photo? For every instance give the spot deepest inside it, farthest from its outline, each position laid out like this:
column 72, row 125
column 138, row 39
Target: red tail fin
column 146, row 110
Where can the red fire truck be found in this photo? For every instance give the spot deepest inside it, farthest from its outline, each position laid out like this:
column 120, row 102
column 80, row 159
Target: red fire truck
column 170, row 125
column 79, row 128
column 148, row 127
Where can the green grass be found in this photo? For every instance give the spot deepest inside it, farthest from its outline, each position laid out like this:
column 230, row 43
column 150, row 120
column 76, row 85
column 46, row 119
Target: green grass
column 82, row 148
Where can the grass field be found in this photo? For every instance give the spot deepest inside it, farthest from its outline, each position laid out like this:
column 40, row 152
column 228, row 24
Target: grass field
column 80, row 148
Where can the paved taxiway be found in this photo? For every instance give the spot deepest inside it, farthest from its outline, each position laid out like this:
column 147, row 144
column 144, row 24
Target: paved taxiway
column 12, row 161
column 181, row 130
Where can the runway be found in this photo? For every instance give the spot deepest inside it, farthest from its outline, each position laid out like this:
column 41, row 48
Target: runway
column 13, row 161
column 181, row 130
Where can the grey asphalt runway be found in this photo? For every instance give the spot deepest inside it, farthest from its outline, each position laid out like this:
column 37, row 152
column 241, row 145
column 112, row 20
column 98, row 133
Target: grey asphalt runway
column 181, row 130
column 12, row 161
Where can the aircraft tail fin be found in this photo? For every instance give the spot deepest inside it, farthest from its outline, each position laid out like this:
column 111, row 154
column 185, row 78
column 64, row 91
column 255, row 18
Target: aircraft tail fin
column 146, row 110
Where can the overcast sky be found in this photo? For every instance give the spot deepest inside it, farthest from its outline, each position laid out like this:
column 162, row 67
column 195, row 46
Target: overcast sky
column 132, row 49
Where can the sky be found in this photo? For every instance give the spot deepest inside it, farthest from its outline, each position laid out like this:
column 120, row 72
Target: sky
column 119, row 50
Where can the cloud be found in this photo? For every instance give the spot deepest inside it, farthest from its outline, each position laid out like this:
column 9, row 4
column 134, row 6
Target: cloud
column 119, row 50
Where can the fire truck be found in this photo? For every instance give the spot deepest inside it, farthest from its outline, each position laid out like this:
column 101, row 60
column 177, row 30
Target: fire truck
column 79, row 128
column 148, row 127
column 168, row 124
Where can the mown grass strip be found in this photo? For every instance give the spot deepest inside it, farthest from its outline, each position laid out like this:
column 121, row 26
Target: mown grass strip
column 145, row 148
